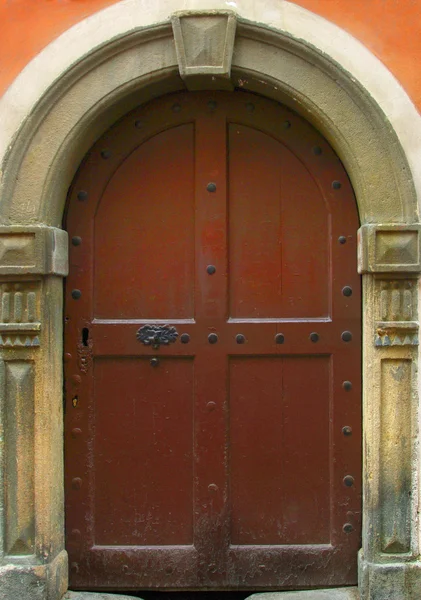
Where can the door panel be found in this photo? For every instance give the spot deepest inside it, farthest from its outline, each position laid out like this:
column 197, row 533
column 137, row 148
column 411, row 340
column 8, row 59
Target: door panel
column 228, row 456
column 274, row 268
column 279, row 425
column 136, row 503
column 143, row 214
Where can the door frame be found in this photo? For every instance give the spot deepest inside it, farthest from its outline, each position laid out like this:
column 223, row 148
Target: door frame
column 97, row 83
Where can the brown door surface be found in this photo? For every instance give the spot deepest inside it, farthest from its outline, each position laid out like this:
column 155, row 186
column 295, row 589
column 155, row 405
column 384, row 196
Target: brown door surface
column 212, row 353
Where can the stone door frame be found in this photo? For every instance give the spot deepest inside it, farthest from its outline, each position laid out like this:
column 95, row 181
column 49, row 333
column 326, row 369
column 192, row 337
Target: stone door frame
column 105, row 83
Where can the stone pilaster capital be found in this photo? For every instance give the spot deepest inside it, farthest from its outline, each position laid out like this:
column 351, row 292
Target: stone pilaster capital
column 390, row 248
column 33, row 250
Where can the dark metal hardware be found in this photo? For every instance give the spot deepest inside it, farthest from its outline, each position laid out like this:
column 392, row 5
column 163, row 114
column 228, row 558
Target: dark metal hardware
column 240, row 339
column 212, row 104
column 347, row 528
column 346, row 336
column 138, row 124
column 347, row 290
column 347, row 431
column 82, row 195
column 185, row 338
column 154, row 362
column 279, row 338
column 347, row 385
column 76, row 240
column 157, row 335
column 342, row 239
column 348, row 481
column 211, row 187
column 314, row 336
column 211, row 269
column 287, row 124
column 336, row 185
column 76, row 294
column 212, row 338
column 176, row 107
column 105, row 154
column 250, row 107
column 317, row 150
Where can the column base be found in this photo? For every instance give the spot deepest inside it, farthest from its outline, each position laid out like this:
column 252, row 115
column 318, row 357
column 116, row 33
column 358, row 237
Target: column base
column 389, row 581
column 35, row 582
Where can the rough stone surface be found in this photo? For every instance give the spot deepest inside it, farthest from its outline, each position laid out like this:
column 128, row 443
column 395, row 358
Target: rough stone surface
column 332, row 594
column 95, row 596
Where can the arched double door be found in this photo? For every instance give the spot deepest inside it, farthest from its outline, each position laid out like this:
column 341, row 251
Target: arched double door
column 212, row 353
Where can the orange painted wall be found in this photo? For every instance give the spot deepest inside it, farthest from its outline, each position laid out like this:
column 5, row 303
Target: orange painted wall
column 391, row 29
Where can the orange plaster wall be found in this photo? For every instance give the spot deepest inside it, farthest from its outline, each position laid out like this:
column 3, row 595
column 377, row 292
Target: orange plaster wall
column 391, row 29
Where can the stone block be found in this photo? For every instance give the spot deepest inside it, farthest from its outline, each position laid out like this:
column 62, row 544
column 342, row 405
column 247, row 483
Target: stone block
column 390, row 248
column 204, row 43
column 33, row 250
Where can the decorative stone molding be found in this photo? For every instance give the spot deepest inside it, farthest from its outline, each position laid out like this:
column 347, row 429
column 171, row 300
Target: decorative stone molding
column 396, row 301
column 33, row 250
column 392, row 248
column 19, row 314
column 105, row 80
column 204, row 42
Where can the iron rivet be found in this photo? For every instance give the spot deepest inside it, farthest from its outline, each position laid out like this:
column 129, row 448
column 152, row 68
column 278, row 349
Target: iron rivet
column 317, row 150
column 76, row 240
column 286, row 124
column 347, row 290
column 82, row 195
column 76, row 294
column 342, row 239
column 348, row 528
column 212, row 104
column 212, row 338
column 279, row 338
column 336, row 185
column 184, row 338
column 154, row 361
column 76, row 483
column 346, row 336
column 76, row 379
column 211, row 187
column 240, row 339
column 105, row 154
column 211, row 406
column 212, row 487
column 250, row 107
column 67, row 357
column 76, row 432
column 176, row 107
column 347, row 430
column 347, row 385
column 348, row 481
column 75, row 533
column 138, row 124
column 125, row 568
column 314, row 336
column 211, row 269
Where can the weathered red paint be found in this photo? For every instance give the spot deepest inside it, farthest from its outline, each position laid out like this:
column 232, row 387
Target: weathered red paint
column 223, row 466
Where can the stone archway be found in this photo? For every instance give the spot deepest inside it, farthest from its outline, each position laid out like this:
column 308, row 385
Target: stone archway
column 106, row 83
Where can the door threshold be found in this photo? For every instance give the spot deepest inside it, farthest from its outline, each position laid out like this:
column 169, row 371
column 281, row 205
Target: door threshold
column 348, row 593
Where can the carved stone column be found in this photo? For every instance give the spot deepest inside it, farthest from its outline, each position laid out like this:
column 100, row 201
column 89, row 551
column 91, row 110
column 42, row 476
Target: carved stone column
column 390, row 263
column 33, row 563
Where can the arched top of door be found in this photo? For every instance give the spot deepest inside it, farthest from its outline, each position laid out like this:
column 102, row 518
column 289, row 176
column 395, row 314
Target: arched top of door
column 108, row 77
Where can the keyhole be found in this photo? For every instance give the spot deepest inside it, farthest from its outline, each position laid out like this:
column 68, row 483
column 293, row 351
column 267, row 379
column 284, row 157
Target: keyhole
column 85, row 336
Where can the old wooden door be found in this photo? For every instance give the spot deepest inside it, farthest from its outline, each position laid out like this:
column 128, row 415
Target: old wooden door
column 212, row 353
